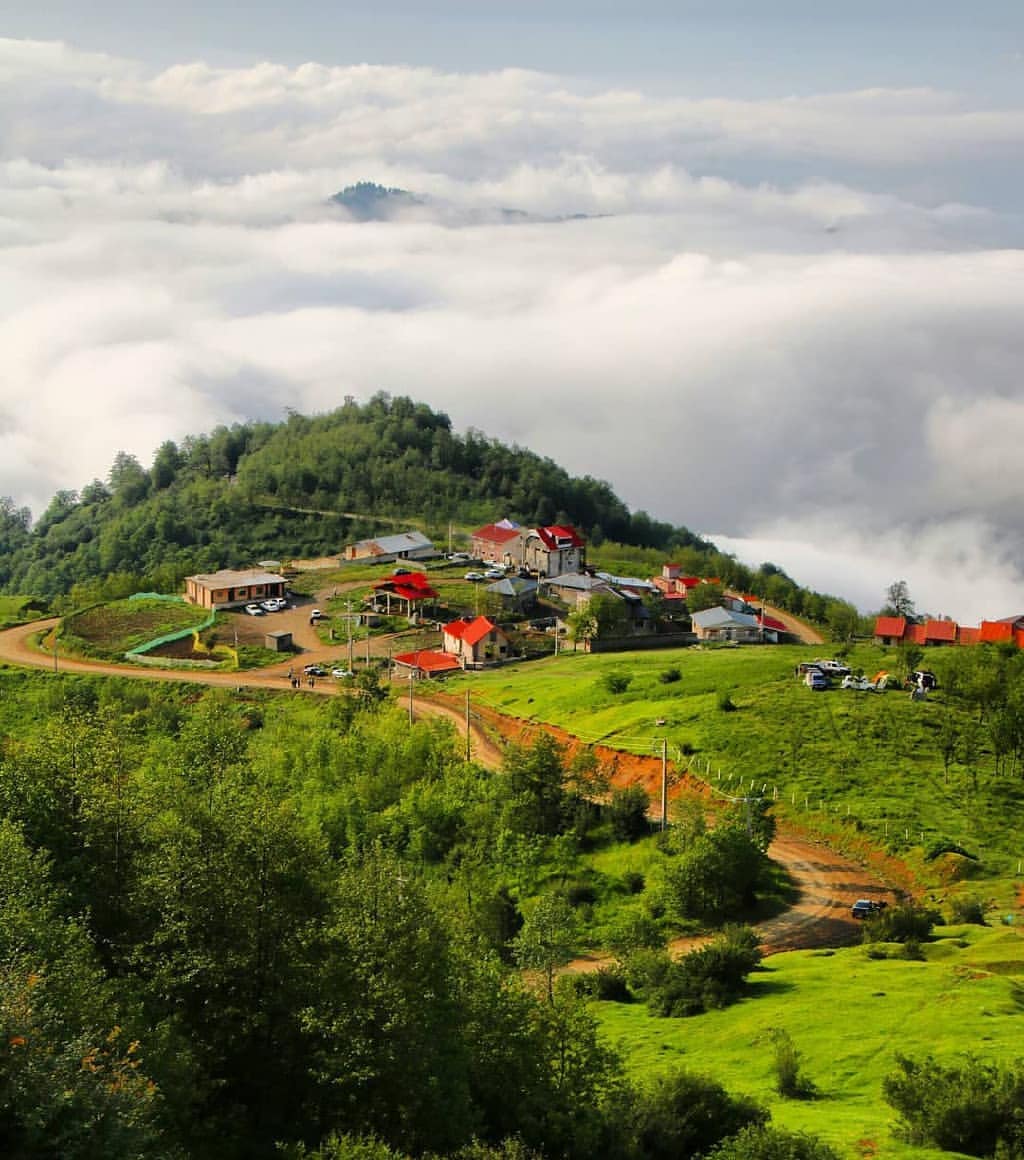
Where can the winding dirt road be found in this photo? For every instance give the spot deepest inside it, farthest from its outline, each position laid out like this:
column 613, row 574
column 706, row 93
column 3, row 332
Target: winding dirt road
column 826, row 883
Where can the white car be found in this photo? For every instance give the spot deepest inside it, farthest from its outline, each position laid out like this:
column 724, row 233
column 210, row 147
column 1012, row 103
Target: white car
column 861, row 684
column 272, row 605
column 474, row 576
column 494, row 574
column 316, row 614
column 833, row 668
column 254, row 610
column 342, row 674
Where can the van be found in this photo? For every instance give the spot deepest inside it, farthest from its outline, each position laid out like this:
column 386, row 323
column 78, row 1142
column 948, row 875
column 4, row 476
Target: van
column 816, row 679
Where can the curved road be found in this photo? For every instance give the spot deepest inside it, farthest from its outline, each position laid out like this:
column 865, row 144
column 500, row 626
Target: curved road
column 826, row 883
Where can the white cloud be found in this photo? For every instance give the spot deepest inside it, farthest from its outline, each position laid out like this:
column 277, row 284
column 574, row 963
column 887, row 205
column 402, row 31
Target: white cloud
column 730, row 353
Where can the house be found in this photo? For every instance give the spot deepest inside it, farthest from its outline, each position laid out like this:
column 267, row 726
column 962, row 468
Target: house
column 228, row 588
column 890, row 630
column 475, row 642
column 673, row 585
column 427, row 663
column 406, row 593
column 554, row 550
column 386, row 549
column 515, row 592
column 632, row 584
column 576, row 588
column 500, row 543
column 719, row 624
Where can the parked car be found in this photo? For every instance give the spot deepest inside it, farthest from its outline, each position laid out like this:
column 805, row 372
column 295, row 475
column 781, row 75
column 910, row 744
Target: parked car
column 494, row 574
column 866, row 907
column 816, row 679
column 254, row 610
column 401, row 571
column 924, row 679
column 314, row 670
column 861, row 684
column 316, row 614
column 833, row 668
column 805, row 667
column 273, row 604
column 342, row 674
column 474, row 576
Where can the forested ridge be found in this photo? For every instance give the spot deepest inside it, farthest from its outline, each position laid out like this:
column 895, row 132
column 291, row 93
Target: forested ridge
column 230, row 497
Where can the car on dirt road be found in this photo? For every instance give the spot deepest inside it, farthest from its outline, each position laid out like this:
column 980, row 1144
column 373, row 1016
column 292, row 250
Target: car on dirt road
column 316, row 614
column 475, row 577
column 342, row 674
column 314, row 670
column 254, row 610
column 866, row 907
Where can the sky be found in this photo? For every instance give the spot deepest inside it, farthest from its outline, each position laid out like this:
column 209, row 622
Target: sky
column 766, row 275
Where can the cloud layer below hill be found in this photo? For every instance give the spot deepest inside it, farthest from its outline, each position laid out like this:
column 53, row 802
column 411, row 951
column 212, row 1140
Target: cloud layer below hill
column 794, row 322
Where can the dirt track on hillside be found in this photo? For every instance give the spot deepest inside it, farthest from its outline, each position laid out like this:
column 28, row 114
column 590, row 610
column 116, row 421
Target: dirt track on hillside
column 826, row 883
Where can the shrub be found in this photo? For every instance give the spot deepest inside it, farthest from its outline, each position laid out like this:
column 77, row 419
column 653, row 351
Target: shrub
column 767, row 1143
column 607, row 983
column 971, row 1107
column 724, row 702
column 681, row 1114
column 713, row 976
column 901, row 924
column 616, row 682
column 968, row 910
column 627, row 812
column 670, row 676
column 790, row 1081
column 634, row 881
column 580, row 894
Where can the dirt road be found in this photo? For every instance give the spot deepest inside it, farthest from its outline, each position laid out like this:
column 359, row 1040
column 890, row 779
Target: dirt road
column 826, row 883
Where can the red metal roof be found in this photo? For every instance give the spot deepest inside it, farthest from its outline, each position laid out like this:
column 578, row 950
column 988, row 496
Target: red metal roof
column 552, row 534
column 994, row 631
column 470, row 631
column 890, row 626
column 495, row 535
column 429, row 661
column 414, row 586
column 944, row 630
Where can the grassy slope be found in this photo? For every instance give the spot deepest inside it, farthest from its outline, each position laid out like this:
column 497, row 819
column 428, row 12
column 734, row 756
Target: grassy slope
column 110, row 630
column 867, row 766
column 848, row 1016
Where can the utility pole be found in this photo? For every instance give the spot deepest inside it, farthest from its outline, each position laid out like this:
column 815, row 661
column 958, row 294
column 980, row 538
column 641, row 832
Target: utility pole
column 55, row 650
column 349, row 619
column 664, row 784
column 468, row 749
column 412, row 675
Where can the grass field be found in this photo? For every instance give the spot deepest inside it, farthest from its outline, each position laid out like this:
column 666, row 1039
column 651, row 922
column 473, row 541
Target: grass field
column 861, row 766
column 108, row 631
column 19, row 609
column 847, row 1015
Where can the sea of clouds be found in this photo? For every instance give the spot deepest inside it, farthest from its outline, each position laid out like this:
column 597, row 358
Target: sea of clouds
column 795, row 324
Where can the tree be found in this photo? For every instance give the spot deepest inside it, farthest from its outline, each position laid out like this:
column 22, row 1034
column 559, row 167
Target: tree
column 546, row 941
column 704, row 596
column 898, row 602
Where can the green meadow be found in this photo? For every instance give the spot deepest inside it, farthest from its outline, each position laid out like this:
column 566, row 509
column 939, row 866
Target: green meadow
column 848, row 1015
column 862, row 768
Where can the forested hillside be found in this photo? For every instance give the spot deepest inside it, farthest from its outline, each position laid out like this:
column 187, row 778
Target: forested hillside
column 235, row 495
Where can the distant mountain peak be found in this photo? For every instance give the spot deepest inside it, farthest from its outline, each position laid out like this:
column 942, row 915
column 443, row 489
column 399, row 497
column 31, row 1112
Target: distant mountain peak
column 367, row 201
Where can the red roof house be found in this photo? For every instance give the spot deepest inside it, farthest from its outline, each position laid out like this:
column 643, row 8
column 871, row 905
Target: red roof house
column 995, row 631
column 428, row 662
column 500, row 543
column 890, row 629
column 475, row 642
column 940, row 631
column 554, row 550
